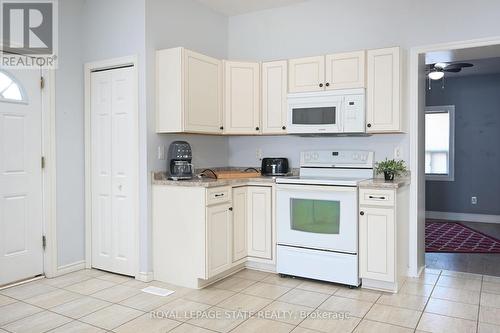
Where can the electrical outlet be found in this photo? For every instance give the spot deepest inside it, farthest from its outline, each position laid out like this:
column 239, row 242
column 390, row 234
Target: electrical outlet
column 161, row 152
column 397, row 152
column 473, row 200
column 258, row 153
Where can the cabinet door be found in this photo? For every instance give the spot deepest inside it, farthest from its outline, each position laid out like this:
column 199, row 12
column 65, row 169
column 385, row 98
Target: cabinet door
column 239, row 223
column 345, row 70
column 219, row 235
column 202, row 93
column 383, row 108
column 306, row 74
column 274, row 90
column 242, row 97
column 377, row 244
column 259, row 222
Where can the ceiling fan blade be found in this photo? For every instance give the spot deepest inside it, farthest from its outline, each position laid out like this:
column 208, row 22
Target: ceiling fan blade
column 453, row 70
column 462, row 64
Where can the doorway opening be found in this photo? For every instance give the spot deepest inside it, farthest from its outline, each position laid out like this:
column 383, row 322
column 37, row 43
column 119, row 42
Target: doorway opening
column 458, row 157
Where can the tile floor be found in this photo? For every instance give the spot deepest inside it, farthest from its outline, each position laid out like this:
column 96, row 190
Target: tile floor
column 251, row 301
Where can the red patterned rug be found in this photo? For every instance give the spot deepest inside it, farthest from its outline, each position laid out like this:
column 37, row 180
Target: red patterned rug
column 454, row 237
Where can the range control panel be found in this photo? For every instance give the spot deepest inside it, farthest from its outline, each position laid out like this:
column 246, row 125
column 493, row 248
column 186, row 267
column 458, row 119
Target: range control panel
column 337, row 158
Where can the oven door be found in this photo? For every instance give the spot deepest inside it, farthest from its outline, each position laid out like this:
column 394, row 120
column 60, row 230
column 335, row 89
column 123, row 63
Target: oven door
column 315, row 115
column 318, row 217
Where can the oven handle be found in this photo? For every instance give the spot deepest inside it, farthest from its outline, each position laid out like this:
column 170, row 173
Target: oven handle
column 314, row 188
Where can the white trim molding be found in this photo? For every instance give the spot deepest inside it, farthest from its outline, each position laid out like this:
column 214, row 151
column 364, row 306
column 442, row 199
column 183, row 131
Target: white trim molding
column 49, row 172
column 73, row 267
column 144, row 276
column 463, row 217
column 88, row 69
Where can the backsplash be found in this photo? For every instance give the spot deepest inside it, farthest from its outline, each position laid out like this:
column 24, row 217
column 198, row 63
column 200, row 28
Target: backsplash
column 243, row 149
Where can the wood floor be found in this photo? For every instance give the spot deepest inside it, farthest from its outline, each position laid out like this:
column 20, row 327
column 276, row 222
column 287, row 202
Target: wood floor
column 488, row 264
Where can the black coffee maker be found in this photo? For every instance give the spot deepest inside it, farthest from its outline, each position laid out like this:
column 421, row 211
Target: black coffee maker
column 179, row 161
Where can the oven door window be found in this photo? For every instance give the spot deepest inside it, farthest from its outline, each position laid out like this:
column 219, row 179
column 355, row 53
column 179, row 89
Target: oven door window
column 314, row 116
column 315, row 216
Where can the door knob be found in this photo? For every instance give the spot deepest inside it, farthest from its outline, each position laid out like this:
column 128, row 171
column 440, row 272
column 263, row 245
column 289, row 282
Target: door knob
column 369, row 125
column 283, row 127
column 221, row 128
column 361, row 213
column 327, row 84
column 256, row 128
column 321, row 85
column 231, row 209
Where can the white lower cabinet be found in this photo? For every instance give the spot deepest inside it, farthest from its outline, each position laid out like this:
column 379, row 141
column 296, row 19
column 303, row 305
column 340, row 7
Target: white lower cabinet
column 383, row 238
column 376, row 243
column 259, row 214
column 252, row 222
column 239, row 223
column 202, row 234
column 219, row 239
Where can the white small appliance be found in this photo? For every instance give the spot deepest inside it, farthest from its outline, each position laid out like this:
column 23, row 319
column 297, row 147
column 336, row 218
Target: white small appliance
column 327, row 112
column 317, row 216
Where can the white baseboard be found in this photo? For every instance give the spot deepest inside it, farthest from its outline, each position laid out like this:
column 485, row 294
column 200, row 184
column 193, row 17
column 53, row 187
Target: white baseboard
column 144, row 276
column 464, row 217
column 69, row 268
column 261, row 266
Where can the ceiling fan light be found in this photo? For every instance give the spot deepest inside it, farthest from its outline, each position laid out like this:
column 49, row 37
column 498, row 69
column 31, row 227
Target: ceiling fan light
column 436, row 75
column 440, row 65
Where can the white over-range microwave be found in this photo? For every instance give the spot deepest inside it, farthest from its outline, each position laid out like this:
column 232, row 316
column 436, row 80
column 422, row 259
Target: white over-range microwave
column 327, row 112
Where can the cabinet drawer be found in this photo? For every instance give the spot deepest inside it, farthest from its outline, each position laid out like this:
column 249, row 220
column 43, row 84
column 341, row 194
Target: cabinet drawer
column 218, row 195
column 376, row 197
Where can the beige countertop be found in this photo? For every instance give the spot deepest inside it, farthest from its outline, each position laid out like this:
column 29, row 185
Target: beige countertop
column 161, row 178
column 381, row 183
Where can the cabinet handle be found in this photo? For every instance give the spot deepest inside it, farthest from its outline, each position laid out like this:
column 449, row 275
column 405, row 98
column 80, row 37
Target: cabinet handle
column 369, row 125
column 361, row 213
column 221, row 128
column 256, row 128
column 219, row 195
column 321, row 85
column 376, row 197
column 231, row 209
column 283, row 127
column 327, row 84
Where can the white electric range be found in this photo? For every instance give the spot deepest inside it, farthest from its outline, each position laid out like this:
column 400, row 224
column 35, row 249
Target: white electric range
column 317, row 216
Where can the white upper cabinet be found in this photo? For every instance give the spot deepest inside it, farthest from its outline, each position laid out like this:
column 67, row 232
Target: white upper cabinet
column 274, row 102
column 345, row 70
column 383, row 107
column 189, row 92
column 306, row 74
column 242, row 97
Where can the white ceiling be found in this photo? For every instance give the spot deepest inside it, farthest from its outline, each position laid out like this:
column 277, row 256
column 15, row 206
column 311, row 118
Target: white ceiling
column 237, row 7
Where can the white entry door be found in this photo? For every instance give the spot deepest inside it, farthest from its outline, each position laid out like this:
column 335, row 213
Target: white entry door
column 114, row 155
column 21, row 252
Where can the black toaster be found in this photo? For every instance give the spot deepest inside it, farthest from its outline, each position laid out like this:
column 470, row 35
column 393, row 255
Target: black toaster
column 274, row 166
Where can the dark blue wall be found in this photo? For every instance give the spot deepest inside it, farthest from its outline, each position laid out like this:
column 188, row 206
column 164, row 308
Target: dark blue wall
column 477, row 146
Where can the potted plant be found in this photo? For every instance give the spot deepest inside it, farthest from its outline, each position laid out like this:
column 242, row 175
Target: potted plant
column 391, row 168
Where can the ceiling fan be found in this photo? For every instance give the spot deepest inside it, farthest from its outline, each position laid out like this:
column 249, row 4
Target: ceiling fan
column 437, row 70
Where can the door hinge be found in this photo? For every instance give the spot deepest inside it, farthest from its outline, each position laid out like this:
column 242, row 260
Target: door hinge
column 42, row 82
column 44, row 242
column 43, row 162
